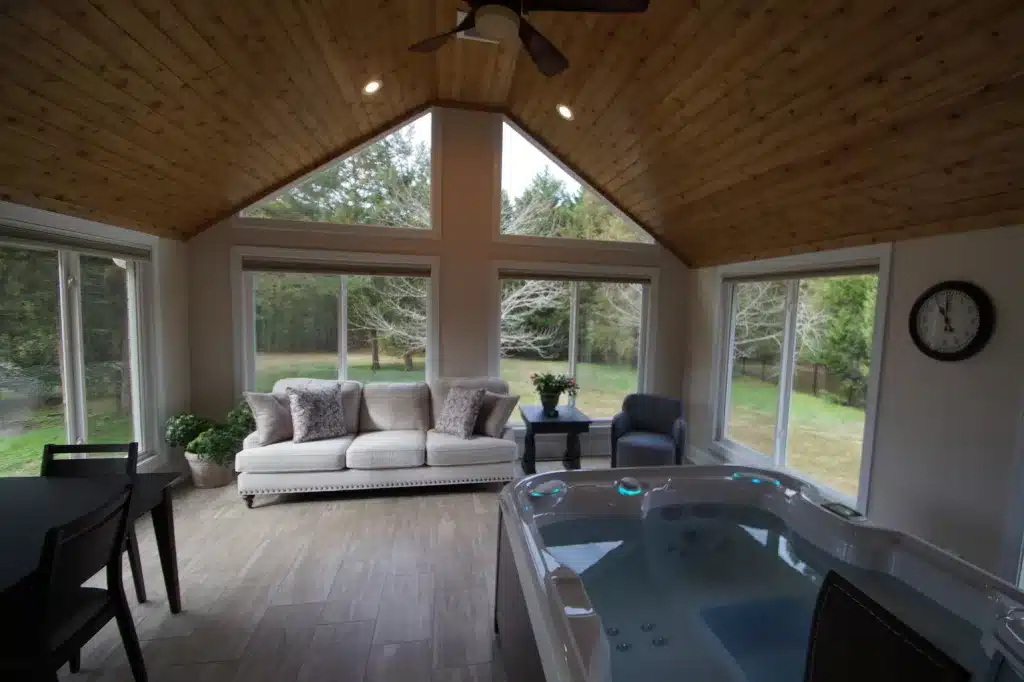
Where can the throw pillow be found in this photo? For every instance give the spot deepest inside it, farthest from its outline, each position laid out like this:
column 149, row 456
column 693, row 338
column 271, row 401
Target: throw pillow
column 273, row 416
column 317, row 413
column 494, row 414
column 461, row 407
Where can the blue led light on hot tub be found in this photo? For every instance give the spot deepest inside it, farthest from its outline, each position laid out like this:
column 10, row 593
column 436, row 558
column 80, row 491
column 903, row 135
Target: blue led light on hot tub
column 752, row 478
column 629, row 487
column 547, row 489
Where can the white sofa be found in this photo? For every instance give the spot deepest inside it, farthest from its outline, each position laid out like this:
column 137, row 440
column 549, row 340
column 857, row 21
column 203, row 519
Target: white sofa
column 391, row 444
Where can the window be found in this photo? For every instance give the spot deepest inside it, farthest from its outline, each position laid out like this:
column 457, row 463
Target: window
column 800, row 352
column 539, row 199
column 588, row 329
column 69, row 355
column 327, row 326
column 386, row 183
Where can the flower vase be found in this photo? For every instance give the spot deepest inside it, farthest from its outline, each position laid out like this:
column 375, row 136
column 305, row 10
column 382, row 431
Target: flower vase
column 549, row 401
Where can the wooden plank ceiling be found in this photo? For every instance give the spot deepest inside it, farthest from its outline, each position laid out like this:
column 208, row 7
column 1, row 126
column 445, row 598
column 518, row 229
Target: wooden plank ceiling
column 731, row 129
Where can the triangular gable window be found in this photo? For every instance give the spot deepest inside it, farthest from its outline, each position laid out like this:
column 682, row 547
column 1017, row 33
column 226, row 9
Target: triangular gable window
column 386, row 183
column 540, row 199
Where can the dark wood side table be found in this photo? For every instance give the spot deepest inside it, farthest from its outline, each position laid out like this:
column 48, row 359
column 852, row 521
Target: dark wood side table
column 569, row 421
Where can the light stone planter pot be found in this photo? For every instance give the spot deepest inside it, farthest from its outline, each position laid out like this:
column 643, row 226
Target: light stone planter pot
column 208, row 475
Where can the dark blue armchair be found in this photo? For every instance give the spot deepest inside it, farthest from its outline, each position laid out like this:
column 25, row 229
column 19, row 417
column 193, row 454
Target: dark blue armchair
column 649, row 431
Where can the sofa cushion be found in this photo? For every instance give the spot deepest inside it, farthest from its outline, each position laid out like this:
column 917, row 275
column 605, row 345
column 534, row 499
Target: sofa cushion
column 395, row 407
column 494, row 414
column 439, row 390
column 444, row 450
column 351, row 396
column 387, row 450
column 272, row 414
column 317, row 455
column 645, row 448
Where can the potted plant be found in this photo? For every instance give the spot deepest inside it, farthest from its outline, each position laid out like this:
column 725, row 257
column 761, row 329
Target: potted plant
column 209, row 449
column 211, row 456
column 550, row 387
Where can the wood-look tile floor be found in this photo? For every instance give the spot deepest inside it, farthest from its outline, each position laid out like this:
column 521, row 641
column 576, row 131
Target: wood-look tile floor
column 346, row 587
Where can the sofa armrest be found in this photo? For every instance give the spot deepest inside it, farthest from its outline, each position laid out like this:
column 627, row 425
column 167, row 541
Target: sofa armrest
column 679, row 438
column 620, row 427
column 508, row 433
column 251, row 441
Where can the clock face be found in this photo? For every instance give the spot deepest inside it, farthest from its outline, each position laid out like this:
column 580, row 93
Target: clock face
column 948, row 321
column 952, row 321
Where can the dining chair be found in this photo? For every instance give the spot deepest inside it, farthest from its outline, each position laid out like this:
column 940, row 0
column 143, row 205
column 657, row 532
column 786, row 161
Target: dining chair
column 53, row 616
column 56, row 463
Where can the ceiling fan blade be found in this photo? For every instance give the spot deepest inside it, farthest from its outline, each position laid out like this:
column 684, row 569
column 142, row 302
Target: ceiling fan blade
column 586, row 5
column 546, row 56
column 435, row 43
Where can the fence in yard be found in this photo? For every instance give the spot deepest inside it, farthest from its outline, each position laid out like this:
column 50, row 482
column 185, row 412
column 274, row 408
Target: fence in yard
column 814, row 379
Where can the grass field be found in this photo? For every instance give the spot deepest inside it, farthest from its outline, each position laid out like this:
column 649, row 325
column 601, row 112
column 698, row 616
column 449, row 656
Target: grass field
column 824, row 441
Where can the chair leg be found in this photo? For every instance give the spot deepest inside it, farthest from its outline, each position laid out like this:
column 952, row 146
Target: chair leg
column 130, row 639
column 136, row 563
column 75, row 662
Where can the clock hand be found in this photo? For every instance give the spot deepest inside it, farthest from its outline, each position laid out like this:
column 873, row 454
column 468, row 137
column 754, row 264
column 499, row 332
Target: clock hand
column 947, row 326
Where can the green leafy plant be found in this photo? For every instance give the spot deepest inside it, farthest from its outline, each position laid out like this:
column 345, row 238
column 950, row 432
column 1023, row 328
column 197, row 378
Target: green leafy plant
column 240, row 420
column 548, row 383
column 183, row 428
column 217, row 445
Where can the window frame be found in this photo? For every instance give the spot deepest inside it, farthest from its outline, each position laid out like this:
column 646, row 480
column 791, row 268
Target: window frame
column 138, row 276
column 356, row 229
column 244, row 297
column 568, row 271
column 793, row 269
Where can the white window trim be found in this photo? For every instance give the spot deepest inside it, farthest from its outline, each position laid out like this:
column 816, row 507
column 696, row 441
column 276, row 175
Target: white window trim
column 433, row 232
column 648, row 308
column 243, row 300
column 559, row 242
column 880, row 257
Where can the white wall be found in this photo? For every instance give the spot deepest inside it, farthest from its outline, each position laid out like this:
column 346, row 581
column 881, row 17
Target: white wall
column 171, row 356
column 469, row 155
column 945, row 445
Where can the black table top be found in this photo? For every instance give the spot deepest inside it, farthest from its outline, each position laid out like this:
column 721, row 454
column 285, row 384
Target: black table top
column 31, row 505
column 567, row 415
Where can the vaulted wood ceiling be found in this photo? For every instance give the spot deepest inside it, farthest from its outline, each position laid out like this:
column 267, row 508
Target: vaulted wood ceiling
column 729, row 128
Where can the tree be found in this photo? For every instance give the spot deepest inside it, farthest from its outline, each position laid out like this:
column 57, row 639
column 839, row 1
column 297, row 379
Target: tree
column 846, row 344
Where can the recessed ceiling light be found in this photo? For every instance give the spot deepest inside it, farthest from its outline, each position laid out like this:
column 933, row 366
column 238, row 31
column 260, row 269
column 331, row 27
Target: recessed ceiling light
column 372, row 87
column 564, row 111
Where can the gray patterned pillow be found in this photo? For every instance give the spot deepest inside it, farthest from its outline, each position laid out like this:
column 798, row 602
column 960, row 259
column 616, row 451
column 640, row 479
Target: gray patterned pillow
column 316, row 413
column 461, row 407
column 272, row 412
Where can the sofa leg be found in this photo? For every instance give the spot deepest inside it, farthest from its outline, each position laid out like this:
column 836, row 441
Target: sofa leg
column 248, row 500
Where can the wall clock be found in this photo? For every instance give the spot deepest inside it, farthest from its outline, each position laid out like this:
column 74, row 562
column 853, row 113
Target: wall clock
column 952, row 321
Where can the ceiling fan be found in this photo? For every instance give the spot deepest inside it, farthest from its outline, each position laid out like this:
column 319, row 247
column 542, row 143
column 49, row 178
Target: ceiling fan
column 503, row 21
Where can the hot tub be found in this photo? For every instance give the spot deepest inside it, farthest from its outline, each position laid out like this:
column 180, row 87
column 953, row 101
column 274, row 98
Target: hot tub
column 711, row 573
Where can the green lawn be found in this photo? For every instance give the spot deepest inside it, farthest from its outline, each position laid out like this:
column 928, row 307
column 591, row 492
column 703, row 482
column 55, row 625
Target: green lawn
column 825, row 439
column 20, row 453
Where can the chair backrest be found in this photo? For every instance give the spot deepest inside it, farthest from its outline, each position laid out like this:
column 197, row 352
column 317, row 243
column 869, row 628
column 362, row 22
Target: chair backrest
column 652, row 412
column 116, row 459
column 854, row 638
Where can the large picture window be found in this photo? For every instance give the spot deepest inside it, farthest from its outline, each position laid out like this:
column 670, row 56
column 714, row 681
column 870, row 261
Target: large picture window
column 539, row 199
column 328, row 326
column 385, row 184
column 591, row 330
column 69, row 353
column 799, row 359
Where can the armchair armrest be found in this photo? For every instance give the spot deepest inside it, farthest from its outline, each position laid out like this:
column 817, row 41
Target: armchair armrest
column 251, row 441
column 620, row 427
column 679, row 438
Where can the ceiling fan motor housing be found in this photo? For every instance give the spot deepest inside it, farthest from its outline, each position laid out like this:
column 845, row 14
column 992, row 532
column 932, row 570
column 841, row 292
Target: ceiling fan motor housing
column 498, row 23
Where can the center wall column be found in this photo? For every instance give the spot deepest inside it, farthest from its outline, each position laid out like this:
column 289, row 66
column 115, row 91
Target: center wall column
column 469, row 162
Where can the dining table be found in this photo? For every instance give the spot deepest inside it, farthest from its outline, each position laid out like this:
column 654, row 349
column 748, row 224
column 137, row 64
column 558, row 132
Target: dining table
column 31, row 505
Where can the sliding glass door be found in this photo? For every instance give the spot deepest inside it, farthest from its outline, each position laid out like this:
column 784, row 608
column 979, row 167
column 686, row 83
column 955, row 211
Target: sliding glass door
column 69, row 353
